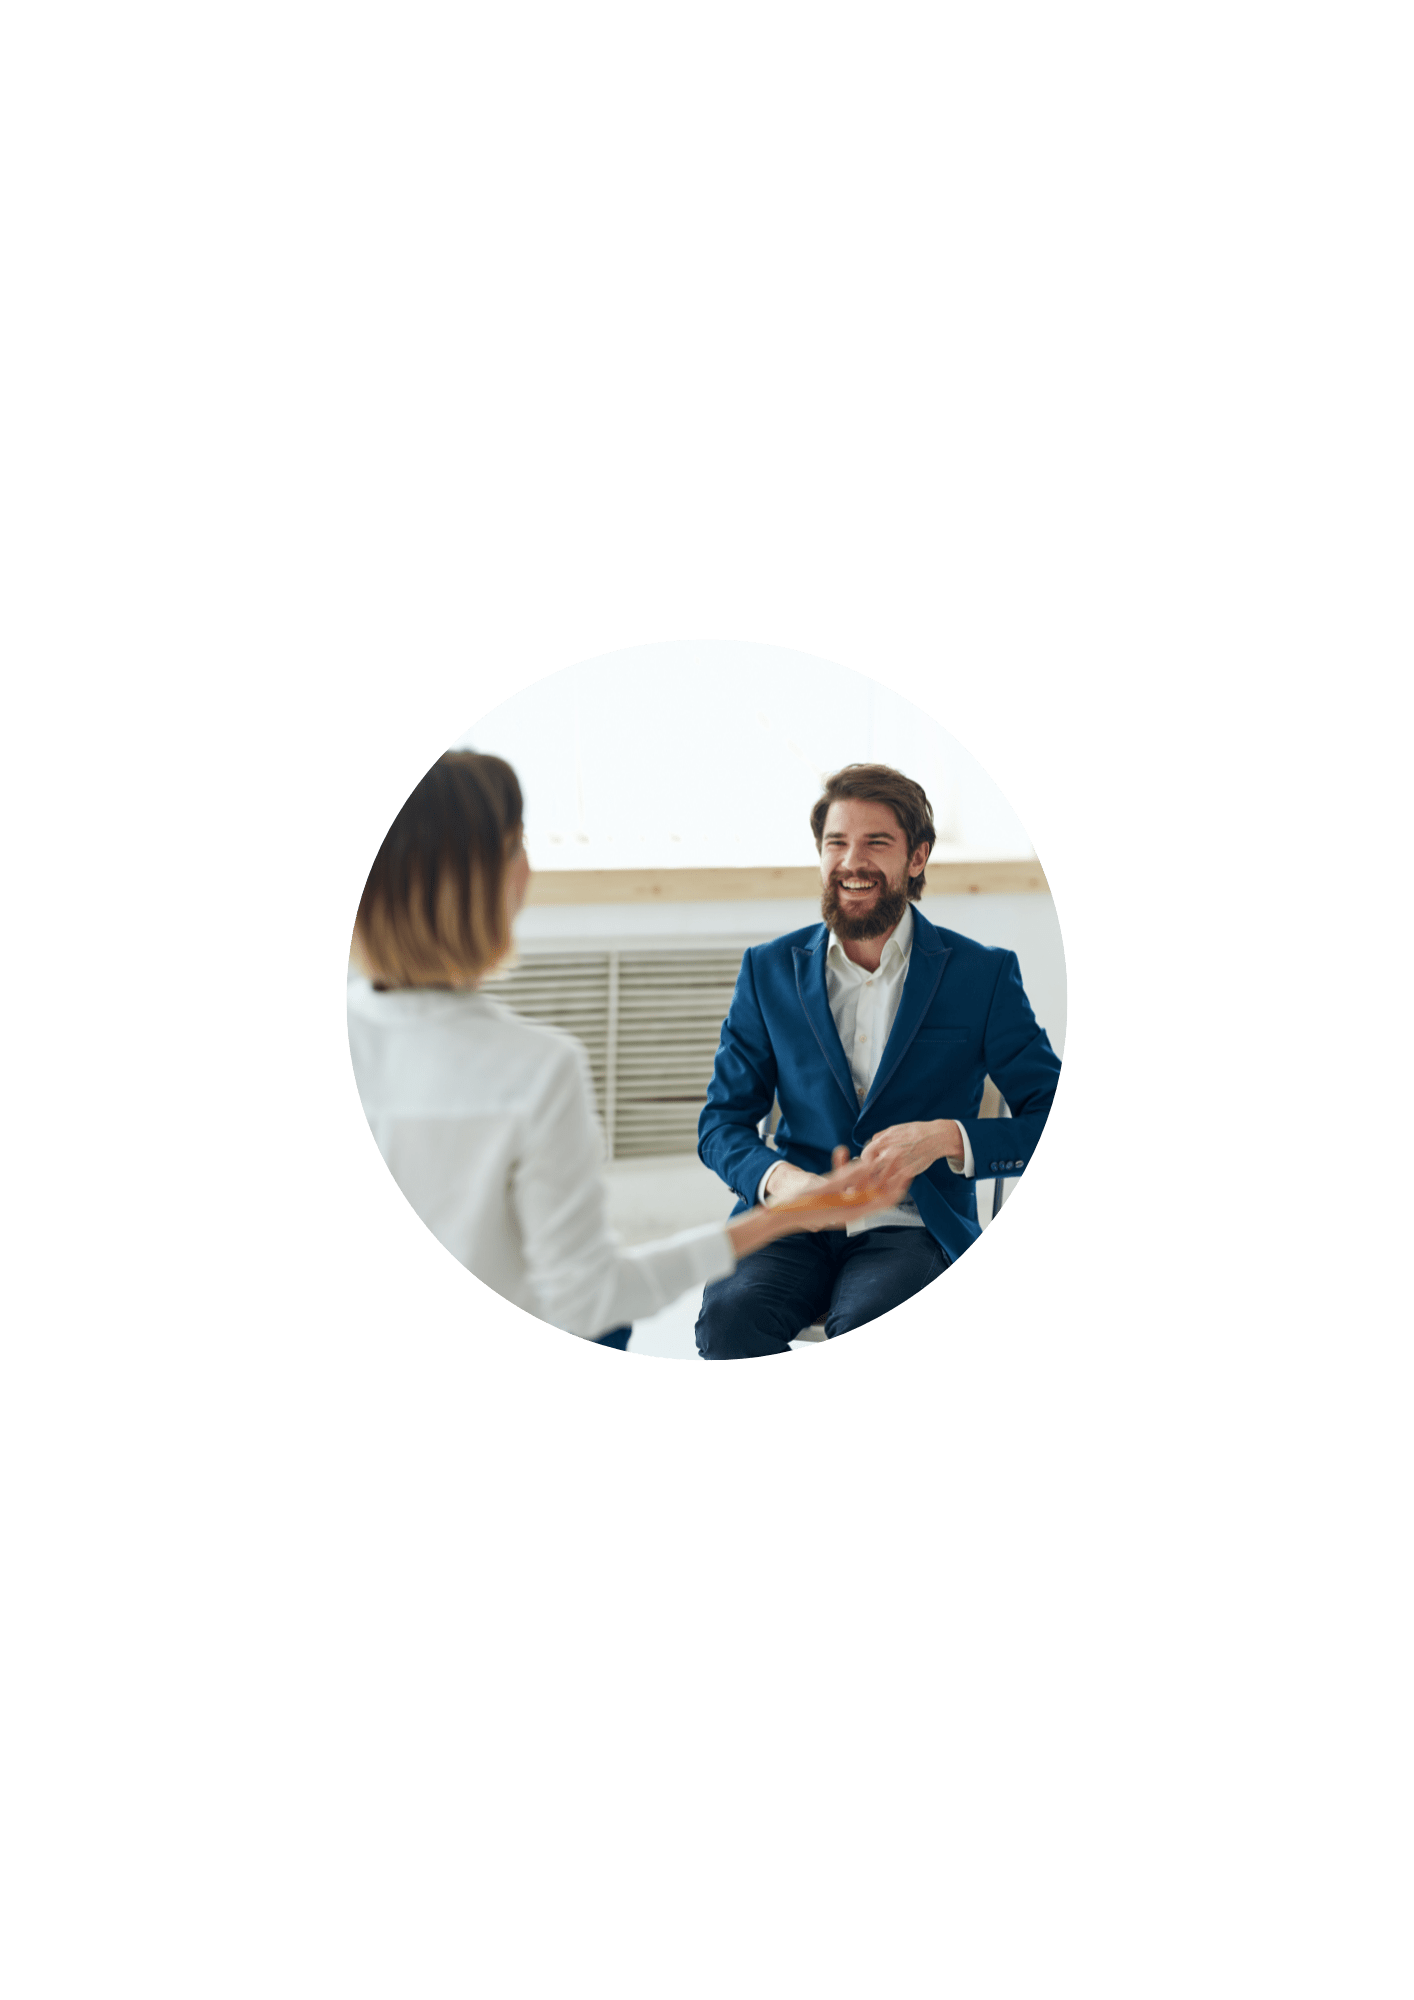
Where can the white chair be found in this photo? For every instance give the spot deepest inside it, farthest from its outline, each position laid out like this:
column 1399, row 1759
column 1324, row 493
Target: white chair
column 992, row 1193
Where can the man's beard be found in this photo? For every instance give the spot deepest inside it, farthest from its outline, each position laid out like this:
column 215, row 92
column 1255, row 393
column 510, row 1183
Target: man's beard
column 889, row 906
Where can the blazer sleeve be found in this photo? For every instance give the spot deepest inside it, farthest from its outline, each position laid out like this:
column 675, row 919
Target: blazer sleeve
column 1025, row 1069
column 740, row 1094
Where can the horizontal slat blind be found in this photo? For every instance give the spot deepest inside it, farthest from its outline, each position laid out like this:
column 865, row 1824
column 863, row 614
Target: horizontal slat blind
column 669, row 1014
column 671, row 1008
column 570, row 991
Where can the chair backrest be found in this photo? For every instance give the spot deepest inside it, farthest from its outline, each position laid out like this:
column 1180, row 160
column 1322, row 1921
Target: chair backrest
column 990, row 1196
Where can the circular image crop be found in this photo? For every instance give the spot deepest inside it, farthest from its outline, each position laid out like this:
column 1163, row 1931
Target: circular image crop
column 706, row 1001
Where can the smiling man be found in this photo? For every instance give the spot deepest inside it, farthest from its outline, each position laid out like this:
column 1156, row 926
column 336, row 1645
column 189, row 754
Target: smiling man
column 874, row 1030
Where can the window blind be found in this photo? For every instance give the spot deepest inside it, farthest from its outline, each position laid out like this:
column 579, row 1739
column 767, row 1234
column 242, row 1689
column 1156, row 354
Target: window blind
column 649, row 1022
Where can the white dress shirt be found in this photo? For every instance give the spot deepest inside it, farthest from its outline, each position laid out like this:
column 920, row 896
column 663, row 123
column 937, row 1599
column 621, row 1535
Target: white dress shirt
column 488, row 1126
column 863, row 1005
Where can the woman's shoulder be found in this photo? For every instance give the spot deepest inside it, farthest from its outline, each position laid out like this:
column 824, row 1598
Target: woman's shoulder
column 476, row 1043
column 467, row 1011
column 538, row 1041
column 540, row 1070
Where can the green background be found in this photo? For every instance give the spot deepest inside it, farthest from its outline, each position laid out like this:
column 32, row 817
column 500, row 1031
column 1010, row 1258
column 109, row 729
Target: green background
column 375, row 1639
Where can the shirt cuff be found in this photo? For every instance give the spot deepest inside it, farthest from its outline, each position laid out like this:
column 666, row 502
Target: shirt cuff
column 761, row 1184
column 966, row 1166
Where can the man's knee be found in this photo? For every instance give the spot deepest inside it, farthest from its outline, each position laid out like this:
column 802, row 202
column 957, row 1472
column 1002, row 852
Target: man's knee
column 881, row 1275
column 734, row 1326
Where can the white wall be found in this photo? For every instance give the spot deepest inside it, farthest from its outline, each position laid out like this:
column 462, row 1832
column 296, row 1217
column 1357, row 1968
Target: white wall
column 1025, row 924
column 711, row 755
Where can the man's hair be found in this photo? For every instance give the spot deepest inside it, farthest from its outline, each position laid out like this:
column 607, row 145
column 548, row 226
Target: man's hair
column 433, row 910
column 884, row 786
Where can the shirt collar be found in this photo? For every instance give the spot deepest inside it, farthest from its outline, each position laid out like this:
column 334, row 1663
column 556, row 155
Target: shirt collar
column 901, row 937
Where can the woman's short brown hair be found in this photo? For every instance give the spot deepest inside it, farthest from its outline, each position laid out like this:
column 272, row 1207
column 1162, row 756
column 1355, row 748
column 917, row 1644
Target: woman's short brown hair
column 885, row 786
column 433, row 909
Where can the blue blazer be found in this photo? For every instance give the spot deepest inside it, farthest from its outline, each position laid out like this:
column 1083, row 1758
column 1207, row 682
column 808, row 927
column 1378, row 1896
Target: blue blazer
column 963, row 1016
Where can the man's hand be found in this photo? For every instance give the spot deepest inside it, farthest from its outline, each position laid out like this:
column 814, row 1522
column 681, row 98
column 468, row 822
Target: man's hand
column 788, row 1183
column 905, row 1151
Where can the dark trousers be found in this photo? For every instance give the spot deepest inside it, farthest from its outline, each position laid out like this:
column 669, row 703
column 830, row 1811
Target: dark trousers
column 844, row 1280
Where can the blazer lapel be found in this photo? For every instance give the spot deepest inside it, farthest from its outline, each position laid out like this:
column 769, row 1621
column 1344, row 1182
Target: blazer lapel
column 810, row 985
column 926, row 960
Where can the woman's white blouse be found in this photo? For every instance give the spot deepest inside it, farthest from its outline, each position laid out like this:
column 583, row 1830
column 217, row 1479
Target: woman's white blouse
column 487, row 1123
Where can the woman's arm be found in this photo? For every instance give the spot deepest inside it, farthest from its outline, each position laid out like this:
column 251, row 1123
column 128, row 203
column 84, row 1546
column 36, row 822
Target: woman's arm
column 584, row 1280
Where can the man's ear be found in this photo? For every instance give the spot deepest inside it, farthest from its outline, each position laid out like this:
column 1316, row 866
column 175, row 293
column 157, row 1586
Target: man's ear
column 915, row 866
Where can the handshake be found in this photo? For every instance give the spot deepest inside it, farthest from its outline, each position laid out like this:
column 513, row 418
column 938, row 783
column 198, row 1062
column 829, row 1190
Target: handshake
column 878, row 1179
column 834, row 1200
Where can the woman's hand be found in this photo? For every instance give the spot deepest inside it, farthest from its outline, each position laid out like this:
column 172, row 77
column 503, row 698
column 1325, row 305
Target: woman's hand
column 849, row 1192
column 852, row 1190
